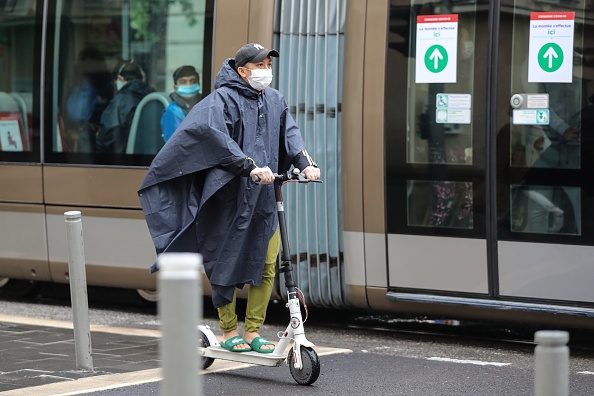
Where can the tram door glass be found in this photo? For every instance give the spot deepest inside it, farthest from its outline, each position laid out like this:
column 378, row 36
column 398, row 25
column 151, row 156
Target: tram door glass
column 545, row 142
column 95, row 118
column 19, row 23
column 439, row 171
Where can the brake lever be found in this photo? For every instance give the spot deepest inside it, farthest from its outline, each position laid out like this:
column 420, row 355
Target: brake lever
column 302, row 179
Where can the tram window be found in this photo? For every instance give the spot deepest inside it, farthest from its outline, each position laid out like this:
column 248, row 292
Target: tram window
column 434, row 161
column 440, row 115
column 18, row 23
column 557, row 142
column 545, row 210
column 444, row 204
column 545, row 167
column 95, row 119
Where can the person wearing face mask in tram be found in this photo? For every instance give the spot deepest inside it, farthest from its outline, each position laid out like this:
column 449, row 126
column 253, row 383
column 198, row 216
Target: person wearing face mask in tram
column 186, row 94
column 243, row 128
column 116, row 120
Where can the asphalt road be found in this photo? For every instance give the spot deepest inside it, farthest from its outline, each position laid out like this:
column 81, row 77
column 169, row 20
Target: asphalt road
column 384, row 356
column 368, row 373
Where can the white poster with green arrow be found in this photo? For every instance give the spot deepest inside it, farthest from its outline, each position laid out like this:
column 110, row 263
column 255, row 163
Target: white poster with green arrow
column 437, row 47
column 550, row 53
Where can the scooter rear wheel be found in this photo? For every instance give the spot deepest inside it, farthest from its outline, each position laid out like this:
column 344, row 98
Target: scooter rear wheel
column 311, row 366
column 203, row 342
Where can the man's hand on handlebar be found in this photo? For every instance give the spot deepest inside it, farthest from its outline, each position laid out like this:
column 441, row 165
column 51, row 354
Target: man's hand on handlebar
column 262, row 175
column 311, row 173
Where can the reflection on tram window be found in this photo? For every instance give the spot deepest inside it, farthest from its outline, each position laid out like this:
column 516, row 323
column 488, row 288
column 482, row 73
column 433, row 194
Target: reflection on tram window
column 17, row 32
column 446, row 204
column 91, row 92
column 93, row 40
column 443, row 133
column 545, row 209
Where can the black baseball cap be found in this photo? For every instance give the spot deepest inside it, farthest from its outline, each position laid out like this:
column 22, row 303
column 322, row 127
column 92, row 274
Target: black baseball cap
column 253, row 52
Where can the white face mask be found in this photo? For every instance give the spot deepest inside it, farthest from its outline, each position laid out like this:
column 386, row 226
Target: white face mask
column 260, row 78
column 120, row 84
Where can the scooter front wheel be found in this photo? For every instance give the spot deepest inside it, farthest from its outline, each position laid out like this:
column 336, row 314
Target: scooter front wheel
column 311, row 366
column 205, row 362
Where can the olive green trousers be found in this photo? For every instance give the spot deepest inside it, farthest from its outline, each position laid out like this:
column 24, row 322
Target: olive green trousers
column 258, row 296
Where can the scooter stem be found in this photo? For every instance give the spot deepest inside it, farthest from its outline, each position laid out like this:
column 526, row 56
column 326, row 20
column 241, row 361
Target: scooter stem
column 295, row 329
column 285, row 267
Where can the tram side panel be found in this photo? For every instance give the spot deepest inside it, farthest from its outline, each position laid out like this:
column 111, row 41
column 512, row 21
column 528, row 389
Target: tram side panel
column 23, row 243
column 358, row 270
column 374, row 156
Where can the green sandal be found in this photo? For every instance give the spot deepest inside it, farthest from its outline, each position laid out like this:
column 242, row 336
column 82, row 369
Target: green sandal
column 233, row 342
column 257, row 344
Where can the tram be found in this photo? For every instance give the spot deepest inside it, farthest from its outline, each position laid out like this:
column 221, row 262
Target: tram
column 453, row 139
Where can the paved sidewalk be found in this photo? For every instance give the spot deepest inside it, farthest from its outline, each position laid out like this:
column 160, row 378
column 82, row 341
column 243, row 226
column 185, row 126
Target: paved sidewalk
column 37, row 358
column 39, row 352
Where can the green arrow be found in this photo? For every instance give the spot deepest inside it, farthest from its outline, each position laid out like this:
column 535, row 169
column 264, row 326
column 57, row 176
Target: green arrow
column 550, row 57
column 436, row 58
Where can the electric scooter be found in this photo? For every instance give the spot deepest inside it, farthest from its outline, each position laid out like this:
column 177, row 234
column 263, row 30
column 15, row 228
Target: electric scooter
column 302, row 359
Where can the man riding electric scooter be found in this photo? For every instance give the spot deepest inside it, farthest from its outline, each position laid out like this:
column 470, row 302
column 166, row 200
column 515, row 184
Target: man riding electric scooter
column 198, row 194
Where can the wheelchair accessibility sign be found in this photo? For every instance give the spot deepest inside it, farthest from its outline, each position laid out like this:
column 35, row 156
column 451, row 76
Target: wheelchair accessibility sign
column 550, row 52
column 436, row 48
column 453, row 108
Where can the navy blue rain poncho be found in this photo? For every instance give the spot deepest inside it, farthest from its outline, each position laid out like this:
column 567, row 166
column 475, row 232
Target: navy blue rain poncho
column 193, row 204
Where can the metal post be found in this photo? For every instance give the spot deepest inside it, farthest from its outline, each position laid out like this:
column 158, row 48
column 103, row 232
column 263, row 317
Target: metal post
column 78, row 291
column 180, row 306
column 551, row 363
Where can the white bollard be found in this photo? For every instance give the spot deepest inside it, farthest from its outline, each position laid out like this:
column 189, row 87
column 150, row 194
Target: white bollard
column 551, row 363
column 77, row 277
column 180, row 306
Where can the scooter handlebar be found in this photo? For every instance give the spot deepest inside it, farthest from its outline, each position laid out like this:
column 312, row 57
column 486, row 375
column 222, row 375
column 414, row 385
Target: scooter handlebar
column 294, row 175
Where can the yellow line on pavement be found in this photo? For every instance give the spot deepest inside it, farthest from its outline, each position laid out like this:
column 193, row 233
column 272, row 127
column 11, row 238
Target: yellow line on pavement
column 61, row 324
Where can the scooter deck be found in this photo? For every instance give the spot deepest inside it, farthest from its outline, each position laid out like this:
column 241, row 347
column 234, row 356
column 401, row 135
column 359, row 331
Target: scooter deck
column 252, row 357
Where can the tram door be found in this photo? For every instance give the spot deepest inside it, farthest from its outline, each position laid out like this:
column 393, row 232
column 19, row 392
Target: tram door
column 545, row 114
column 486, row 170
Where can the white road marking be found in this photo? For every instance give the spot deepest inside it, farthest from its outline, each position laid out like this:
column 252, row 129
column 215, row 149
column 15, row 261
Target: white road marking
column 54, row 354
column 463, row 361
column 586, row 372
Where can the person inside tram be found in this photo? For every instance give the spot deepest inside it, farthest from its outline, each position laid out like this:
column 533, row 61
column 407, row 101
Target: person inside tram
column 91, row 92
column 186, row 94
column 116, row 120
column 241, row 130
